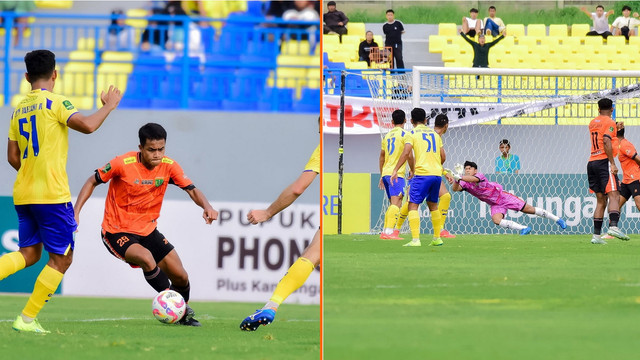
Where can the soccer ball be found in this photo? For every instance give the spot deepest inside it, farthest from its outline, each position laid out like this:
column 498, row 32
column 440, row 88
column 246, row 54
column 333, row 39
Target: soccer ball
column 168, row 306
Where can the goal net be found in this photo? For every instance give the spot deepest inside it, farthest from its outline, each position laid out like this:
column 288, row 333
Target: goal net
column 544, row 116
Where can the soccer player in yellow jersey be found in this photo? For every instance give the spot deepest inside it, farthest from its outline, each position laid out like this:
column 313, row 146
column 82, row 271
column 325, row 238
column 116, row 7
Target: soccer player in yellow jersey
column 310, row 258
column 37, row 149
column 391, row 149
column 429, row 156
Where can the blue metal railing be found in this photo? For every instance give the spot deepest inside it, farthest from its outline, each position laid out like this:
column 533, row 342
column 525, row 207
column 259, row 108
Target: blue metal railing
column 243, row 54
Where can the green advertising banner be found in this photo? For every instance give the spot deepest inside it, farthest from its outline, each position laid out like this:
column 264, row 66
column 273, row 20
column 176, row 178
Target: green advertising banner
column 566, row 195
column 22, row 281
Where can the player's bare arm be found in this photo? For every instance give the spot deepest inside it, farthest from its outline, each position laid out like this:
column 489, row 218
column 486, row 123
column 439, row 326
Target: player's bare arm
column 198, row 197
column 286, row 198
column 608, row 149
column 443, row 156
column 84, row 195
column 412, row 165
column 381, row 162
column 91, row 123
column 13, row 154
column 404, row 157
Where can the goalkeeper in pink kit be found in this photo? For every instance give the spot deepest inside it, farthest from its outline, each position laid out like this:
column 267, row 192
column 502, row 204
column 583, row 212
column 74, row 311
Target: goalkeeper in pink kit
column 476, row 184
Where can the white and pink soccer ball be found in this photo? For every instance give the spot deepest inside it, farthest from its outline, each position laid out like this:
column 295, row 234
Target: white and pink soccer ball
column 168, row 306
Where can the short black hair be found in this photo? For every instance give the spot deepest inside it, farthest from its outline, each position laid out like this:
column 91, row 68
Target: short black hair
column 599, row 6
column 605, row 104
column 418, row 115
column 441, row 120
column 492, row 7
column 331, row 3
column 398, row 117
column 151, row 131
column 40, row 64
column 390, row 11
column 626, row 7
column 473, row 10
column 471, row 163
column 504, row 142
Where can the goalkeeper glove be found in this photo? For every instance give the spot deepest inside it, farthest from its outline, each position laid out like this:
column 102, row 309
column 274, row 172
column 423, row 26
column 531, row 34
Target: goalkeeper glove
column 459, row 169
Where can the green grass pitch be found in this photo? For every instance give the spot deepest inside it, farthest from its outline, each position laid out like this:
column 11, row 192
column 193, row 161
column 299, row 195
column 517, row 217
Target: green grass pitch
column 97, row 328
column 481, row 297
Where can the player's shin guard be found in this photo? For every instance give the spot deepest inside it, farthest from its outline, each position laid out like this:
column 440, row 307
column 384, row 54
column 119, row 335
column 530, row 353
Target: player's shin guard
column 597, row 226
column 443, row 206
column 11, row 263
column 46, row 284
column 511, row 225
column 390, row 218
column 545, row 214
column 184, row 291
column 158, row 280
column 414, row 224
column 437, row 221
column 614, row 217
column 292, row 280
column 404, row 211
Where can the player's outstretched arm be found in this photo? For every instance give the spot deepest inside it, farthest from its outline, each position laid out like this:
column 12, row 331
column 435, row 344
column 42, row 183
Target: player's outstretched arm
column 198, row 197
column 286, row 198
column 91, row 123
column 85, row 194
column 13, row 154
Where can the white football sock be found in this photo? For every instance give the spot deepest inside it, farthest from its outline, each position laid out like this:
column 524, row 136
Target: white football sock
column 545, row 214
column 511, row 225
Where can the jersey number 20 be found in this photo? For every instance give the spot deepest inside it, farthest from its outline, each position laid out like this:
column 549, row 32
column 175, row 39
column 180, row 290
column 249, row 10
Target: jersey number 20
column 34, row 135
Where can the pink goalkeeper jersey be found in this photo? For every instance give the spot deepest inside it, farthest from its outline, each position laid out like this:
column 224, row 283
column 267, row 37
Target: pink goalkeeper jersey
column 484, row 190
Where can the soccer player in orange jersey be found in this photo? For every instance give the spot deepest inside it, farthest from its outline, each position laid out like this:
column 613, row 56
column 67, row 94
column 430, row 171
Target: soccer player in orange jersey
column 630, row 162
column 37, row 149
column 602, row 172
column 139, row 180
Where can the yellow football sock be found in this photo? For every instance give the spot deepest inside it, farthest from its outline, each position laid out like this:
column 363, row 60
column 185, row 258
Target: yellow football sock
column 404, row 210
column 11, row 263
column 414, row 224
column 436, row 220
column 292, row 280
column 443, row 207
column 391, row 217
column 46, row 284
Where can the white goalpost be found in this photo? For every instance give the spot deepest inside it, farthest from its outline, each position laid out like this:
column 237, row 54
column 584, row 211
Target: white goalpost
column 542, row 113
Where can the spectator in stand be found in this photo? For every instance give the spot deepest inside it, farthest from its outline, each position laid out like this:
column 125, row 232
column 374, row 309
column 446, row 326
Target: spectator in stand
column 155, row 36
column 364, row 50
column 493, row 25
column 393, row 30
column 176, row 34
column 472, row 25
column 303, row 11
column 335, row 21
column 507, row 163
column 600, row 21
column 212, row 9
column 625, row 24
column 120, row 35
column 21, row 22
column 277, row 8
column 481, row 49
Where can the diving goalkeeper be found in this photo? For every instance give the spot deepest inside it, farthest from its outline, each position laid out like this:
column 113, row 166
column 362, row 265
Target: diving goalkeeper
column 476, row 184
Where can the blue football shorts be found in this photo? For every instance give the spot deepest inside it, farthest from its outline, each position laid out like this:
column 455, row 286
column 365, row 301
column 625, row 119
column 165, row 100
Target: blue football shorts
column 53, row 225
column 424, row 187
column 396, row 189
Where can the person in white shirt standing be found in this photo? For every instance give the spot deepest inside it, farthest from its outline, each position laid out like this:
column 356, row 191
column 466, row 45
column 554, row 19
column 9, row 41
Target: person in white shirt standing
column 600, row 21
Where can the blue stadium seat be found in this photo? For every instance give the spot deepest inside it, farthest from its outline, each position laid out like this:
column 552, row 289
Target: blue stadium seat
column 277, row 99
column 309, row 101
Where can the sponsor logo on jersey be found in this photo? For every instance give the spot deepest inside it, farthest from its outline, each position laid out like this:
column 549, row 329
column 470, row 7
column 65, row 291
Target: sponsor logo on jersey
column 129, row 160
column 167, row 161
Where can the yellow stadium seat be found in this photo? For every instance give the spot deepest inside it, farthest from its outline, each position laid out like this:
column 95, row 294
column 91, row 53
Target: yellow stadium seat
column 616, row 41
column 516, row 30
column 58, row 4
column 436, row 43
column 82, row 102
column 117, row 56
column 447, row 29
column 283, row 60
column 313, row 78
column 571, row 43
column 451, row 53
column 529, row 42
column 138, row 13
column 351, row 39
column 82, row 55
column 634, row 40
column 550, row 41
column 507, row 41
column 330, row 39
column 580, row 29
column 79, row 79
column 294, row 47
column 558, row 30
column 357, row 65
column 538, row 30
column 592, row 40
column 356, row 29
